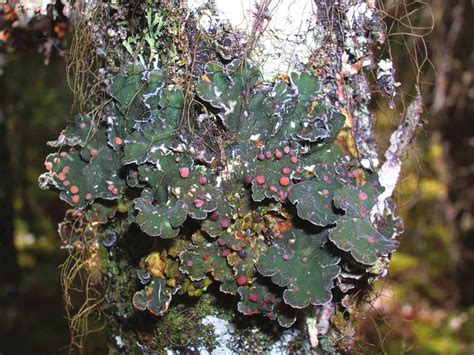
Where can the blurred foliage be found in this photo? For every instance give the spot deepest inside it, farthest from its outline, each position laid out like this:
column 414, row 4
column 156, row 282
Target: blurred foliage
column 37, row 103
column 416, row 309
column 41, row 25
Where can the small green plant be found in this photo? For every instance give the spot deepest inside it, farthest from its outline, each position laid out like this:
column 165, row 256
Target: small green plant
column 145, row 45
column 242, row 182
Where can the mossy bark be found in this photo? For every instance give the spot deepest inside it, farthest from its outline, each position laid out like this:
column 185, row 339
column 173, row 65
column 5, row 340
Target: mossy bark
column 192, row 324
column 117, row 31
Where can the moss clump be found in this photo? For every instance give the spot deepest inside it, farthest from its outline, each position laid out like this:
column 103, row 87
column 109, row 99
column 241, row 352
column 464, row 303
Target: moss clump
column 182, row 328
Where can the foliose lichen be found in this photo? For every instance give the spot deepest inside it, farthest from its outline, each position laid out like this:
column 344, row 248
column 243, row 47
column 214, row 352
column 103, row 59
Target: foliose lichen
column 241, row 182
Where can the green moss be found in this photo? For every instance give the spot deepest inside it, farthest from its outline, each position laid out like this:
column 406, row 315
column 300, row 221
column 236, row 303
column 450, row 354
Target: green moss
column 181, row 327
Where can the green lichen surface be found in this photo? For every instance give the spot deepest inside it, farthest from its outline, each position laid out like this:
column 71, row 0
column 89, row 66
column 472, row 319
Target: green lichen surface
column 239, row 181
column 299, row 263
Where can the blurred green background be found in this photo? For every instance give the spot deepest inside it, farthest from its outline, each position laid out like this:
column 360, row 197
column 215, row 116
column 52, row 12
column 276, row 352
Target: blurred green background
column 426, row 303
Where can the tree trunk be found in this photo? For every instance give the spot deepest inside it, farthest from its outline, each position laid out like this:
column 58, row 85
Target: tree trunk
column 343, row 36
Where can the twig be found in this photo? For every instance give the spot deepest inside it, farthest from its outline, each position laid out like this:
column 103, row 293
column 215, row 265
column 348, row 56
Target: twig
column 399, row 144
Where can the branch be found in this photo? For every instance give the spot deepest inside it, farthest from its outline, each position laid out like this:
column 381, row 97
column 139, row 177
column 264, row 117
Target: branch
column 399, row 143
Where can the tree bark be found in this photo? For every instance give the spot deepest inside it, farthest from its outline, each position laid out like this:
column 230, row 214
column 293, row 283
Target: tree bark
column 344, row 34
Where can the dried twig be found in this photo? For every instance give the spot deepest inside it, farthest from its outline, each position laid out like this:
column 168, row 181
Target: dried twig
column 399, row 144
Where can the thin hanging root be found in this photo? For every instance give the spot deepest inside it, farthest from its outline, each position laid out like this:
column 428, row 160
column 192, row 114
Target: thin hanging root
column 82, row 68
column 81, row 63
column 73, row 272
